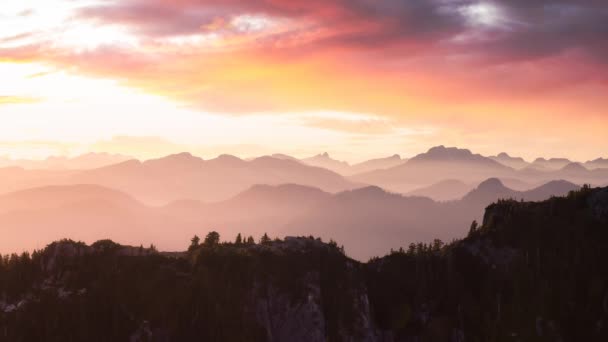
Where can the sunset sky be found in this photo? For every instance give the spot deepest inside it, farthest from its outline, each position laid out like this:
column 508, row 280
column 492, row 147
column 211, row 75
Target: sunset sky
column 355, row 78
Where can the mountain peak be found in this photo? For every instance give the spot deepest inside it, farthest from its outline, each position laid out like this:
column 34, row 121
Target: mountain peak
column 228, row 158
column 183, row 158
column 371, row 190
column 182, row 155
column 574, row 167
column 491, row 184
column 442, row 151
column 442, row 154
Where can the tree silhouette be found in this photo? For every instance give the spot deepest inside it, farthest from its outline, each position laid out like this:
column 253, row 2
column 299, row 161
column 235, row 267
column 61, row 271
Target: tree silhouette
column 265, row 239
column 473, row 228
column 212, row 239
column 239, row 239
column 195, row 241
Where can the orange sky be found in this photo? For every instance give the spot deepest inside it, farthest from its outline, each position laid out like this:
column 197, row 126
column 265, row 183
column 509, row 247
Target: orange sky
column 357, row 78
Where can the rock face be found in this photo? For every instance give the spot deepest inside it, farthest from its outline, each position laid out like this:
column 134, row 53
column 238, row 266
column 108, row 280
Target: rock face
column 517, row 277
column 598, row 203
column 284, row 320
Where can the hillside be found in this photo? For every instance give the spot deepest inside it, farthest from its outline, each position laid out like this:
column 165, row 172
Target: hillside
column 532, row 271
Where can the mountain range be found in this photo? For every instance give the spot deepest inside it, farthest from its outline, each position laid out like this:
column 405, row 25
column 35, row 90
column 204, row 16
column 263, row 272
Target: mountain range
column 183, row 176
column 367, row 220
column 325, row 161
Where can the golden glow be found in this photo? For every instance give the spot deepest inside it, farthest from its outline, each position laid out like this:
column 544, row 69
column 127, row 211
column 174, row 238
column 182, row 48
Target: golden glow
column 238, row 86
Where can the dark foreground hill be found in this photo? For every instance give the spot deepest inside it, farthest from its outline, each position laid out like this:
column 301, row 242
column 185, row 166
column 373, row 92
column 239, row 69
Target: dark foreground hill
column 530, row 272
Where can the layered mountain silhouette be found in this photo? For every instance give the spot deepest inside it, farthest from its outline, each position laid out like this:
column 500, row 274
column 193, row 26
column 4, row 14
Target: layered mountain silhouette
column 551, row 163
column 446, row 190
column 183, row 176
column 438, row 163
column 87, row 212
column 325, row 161
column 513, row 162
column 598, row 163
column 376, row 164
column 493, row 189
column 368, row 220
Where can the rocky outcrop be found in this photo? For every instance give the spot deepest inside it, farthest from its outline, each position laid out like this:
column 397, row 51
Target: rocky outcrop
column 286, row 319
column 598, row 204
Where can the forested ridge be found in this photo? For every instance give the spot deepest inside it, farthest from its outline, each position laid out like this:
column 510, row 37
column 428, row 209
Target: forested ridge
column 529, row 271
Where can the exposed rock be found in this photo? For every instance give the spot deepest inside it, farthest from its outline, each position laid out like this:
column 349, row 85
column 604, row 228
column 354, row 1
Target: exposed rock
column 598, row 203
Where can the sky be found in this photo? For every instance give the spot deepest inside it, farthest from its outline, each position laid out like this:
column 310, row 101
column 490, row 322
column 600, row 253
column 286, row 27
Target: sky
column 355, row 78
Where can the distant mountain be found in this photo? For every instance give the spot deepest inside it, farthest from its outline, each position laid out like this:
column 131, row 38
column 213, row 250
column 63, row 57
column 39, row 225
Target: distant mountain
column 437, row 164
column 572, row 172
column 446, row 190
column 370, row 219
column 493, row 189
column 489, row 191
column 452, row 154
column 283, row 156
column 367, row 220
column 573, row 168
column 325, row 161
column 550, row 164
column 376, row 164
column 257, row 210
column 553, row 188
column 517, row 184
column 599, row 163
column 87, row 212
column 183, row 176
column 513, row 162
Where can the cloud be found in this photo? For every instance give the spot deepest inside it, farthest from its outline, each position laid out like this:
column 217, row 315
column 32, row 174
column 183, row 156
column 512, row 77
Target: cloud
column 386, row 57
column 517, row 29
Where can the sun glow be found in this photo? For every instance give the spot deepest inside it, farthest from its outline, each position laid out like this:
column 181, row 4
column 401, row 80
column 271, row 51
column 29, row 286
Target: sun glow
column 483, row 14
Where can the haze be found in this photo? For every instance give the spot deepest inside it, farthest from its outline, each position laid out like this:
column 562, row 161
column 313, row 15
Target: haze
column 373, row 123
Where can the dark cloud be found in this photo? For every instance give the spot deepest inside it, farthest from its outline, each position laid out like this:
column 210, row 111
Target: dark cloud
column 543, row 28
column 530, row 28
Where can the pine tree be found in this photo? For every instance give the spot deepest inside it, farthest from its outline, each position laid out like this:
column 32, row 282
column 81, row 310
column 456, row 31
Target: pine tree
column 239, row 239
column 473, row 228
column 265, row 239
column 194, row 243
